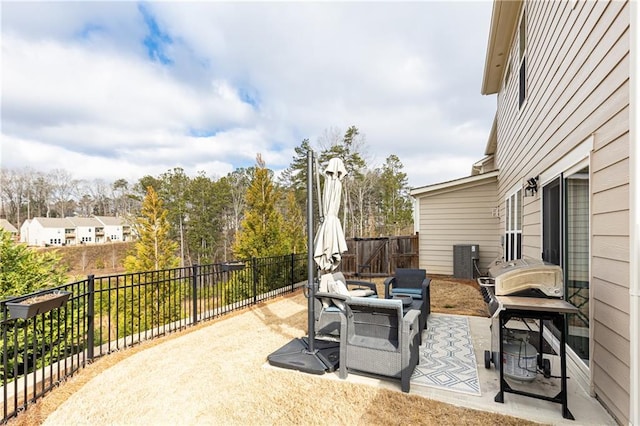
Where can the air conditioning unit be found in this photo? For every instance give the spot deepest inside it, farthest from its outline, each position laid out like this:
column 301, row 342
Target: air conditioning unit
column 464, row 256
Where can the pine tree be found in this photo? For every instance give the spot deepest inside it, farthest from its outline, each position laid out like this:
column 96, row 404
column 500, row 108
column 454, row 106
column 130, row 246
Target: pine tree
column 295, row 176
column 260, row 232
column 294, row 227
column 153, row 250
column 173, row 190
column 395, row 203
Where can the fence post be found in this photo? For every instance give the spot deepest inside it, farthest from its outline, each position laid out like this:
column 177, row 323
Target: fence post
column 90, row 316
column 254, row 265
column 293, row 261
column 194, row 295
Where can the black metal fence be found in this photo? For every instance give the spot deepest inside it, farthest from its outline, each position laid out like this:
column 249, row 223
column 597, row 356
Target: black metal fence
column 45, row 341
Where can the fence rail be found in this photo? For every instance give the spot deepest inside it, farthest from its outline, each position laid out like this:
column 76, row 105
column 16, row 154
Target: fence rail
column 109, row 313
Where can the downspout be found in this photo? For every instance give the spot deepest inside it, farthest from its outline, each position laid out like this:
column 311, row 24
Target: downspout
column 634, row 220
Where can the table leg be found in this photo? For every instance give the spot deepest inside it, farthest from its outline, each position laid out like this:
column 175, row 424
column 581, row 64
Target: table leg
column 499, row 365
column 563, row 367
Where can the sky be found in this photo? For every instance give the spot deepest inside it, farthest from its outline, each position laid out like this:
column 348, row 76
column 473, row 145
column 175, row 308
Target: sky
column 121, row 89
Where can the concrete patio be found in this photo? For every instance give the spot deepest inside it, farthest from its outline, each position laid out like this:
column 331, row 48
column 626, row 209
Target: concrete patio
column 586, row 409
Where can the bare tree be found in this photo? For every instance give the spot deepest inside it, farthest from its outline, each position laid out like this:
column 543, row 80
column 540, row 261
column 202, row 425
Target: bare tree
column 99, row 191
column 14, row 184
column 41, row 196
column 363, row 195
column 64, row 187
column 120, row 196
column 84, row 199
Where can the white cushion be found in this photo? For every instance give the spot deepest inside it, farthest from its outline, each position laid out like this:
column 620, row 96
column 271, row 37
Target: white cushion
column 339, row 276
column 339, row 288
column 361, row 292
column 325, row 286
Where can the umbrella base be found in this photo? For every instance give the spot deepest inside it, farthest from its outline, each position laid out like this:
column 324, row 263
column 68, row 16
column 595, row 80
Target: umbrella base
column 295, row 355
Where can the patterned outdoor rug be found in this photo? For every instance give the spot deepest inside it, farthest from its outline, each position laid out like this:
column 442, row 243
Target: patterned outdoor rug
column 447, row 359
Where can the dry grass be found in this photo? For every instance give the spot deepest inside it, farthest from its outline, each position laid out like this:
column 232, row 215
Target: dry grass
column 215, row 374
column 98, row 259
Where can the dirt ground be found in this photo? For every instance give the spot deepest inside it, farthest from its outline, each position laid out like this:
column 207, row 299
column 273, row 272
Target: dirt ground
column 214, row 374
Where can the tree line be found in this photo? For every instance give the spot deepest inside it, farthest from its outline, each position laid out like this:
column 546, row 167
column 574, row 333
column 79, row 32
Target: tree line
column 247, row 213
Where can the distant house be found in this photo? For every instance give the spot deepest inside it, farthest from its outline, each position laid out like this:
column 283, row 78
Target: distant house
column 113, row 229
column 7, row 226
column 85, row 229
column 559, row 178
column 42, row 231
column 48, row 231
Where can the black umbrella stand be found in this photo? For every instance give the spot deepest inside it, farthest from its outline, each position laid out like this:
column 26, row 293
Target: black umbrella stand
column 308, row 354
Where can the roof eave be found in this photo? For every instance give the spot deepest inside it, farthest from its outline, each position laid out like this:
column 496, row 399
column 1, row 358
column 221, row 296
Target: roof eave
column 416, row 192
column 504, row 18
column 492, row 142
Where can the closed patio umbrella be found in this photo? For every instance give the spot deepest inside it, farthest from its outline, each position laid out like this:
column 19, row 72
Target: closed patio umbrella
column 330, row 242
column 306, row 354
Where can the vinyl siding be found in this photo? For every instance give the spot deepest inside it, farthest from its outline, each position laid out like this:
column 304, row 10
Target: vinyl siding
column 610, row 294
column 578, row 88
column 464, row 215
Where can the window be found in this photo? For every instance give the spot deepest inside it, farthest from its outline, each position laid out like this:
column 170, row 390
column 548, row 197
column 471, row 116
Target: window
column 522, row 92
column 513, row 227
column 565, row 242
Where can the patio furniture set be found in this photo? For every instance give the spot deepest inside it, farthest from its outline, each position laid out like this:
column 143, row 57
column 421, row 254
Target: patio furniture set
column 377, row 336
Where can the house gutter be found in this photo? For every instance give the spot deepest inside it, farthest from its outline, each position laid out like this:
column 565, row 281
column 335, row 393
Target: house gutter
column 634, row 220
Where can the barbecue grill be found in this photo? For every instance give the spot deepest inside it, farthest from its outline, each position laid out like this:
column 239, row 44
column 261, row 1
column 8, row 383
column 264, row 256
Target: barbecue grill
column 522, row 278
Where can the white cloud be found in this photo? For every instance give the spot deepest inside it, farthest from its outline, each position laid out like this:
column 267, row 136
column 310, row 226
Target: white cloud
column 79, row 85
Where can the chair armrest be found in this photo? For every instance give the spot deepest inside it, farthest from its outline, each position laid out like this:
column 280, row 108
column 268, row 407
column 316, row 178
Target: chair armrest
column 426, row 295
column 425, row 287
column 321, row 294
column 411, row 322
column 387, row 286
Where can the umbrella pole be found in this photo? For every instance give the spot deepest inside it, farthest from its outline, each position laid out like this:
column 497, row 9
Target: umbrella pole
column 310, row 264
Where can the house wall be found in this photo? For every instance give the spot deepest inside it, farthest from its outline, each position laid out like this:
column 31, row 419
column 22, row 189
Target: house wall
column 36, row 234
column 43, row 236
column 86, row 232
column 577, row 91
column 24, row 231
column 461, row 215
column 113, row 233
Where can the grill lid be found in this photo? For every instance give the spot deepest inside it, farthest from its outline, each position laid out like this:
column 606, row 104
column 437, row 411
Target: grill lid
column 525, row 275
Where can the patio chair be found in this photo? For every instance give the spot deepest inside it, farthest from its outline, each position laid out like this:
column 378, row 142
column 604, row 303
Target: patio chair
column 329, row 302
column 411, row 282
column 379, row 340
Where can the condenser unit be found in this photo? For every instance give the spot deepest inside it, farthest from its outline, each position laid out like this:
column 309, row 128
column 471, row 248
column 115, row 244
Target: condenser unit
column 464, row 256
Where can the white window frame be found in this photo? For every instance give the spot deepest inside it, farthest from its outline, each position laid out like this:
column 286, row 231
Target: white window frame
column 513, row 204
column 576, row 159
column 522, row 58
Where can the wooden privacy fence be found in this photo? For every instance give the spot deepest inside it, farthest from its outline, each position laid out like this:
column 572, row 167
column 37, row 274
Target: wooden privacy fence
column 379, row 257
